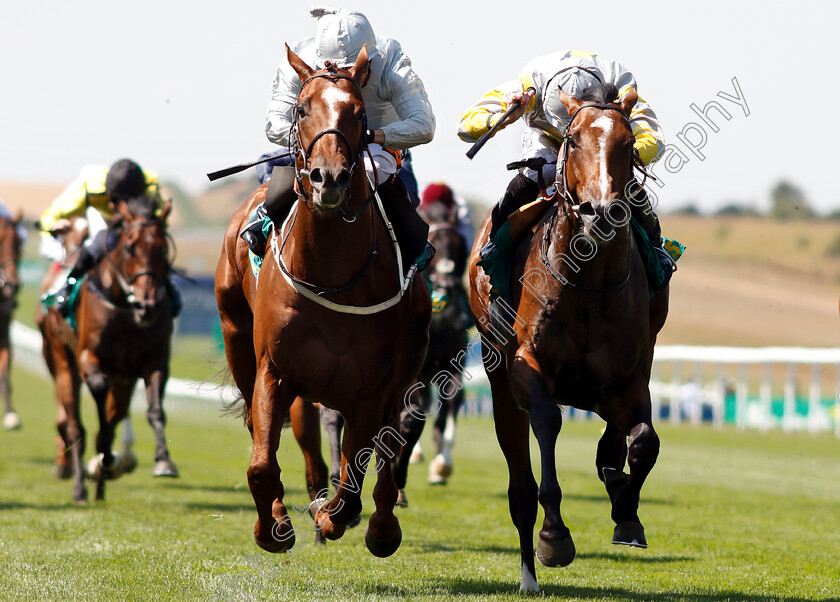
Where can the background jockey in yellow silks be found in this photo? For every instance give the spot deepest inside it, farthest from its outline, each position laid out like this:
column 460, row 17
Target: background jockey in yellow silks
column 546, row 120
column 93, row 195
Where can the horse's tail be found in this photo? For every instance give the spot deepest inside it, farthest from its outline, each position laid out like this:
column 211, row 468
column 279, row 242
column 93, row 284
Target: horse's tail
column 223, row 379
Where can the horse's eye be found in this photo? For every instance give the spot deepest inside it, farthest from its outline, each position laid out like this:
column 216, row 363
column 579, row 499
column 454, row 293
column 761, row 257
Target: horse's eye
column 299, row 112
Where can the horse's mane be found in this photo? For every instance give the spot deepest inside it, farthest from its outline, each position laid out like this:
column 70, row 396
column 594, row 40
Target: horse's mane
column 602, row 92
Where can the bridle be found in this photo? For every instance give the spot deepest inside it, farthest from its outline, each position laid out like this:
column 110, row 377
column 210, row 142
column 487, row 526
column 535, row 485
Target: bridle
column 125, row 280
column 562, row 186
column 297, row 147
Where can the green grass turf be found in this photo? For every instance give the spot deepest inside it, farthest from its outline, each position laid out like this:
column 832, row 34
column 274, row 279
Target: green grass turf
column 729, row 516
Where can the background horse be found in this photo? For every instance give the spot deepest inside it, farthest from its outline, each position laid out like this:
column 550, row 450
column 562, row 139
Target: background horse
column 447, row 340
column 9, row 258
column 124, row 326
column 330, row 321
column 583, row 333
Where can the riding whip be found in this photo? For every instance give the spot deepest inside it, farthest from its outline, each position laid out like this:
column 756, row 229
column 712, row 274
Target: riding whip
column 229, row 171
column 483, row 140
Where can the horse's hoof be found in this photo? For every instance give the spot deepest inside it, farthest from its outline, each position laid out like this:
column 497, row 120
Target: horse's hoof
column 95, row 467
column 629, row 534
column 280, row 539
column 383, row 549
column 402, row 500
column 63, row 471
column 165, row 468
column 11, row 421
column 129, row 462
column 416, row 457
column 559, row 552
column 440, row 467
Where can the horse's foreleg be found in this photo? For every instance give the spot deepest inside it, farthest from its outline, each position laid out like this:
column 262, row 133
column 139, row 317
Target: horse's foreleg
column 98, row 384
column 271, row 401
column 10, row 419
column 155, row 386
column 511, row 424
column 440, row 468
column 642, row 450
column 555, row 547
column 383, row 535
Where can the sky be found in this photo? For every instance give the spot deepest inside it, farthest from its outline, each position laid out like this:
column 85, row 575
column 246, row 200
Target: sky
column 182, row 87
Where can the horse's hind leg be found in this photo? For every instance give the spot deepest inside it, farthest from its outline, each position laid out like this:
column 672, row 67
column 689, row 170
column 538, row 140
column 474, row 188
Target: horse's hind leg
column 306, row 428
column 333, row 422
column 272, row 399
column 412, row 421
column 642, row 450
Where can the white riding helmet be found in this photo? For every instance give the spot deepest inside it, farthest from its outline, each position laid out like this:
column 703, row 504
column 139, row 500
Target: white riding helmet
column 340, row 36
column 573, row 82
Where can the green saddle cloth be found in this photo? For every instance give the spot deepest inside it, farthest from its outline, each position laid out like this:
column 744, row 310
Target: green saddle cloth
column 49, row 301
column 499, row 267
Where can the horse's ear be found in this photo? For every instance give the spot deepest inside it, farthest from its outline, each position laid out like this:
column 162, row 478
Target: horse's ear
column 17, row 217
column 165, row 211
column 303, row 70
column 629, row 101
column 571, row 103
column 360, row 71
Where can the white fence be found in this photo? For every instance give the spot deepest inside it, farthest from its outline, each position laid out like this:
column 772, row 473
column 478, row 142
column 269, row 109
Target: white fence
column 794, row 388
column 181, row 395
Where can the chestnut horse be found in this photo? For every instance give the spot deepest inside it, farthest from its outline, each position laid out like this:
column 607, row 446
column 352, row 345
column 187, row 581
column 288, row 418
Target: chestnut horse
column 9, row 258
column 582, row 334
column 124, row 327
column 333, row 321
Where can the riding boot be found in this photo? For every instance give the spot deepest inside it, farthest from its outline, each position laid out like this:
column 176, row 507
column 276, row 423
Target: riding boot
column 520, row 191
column 85, row 262
column 279, row 198
column 646, row 217
column 411, row 231
column 252, row 231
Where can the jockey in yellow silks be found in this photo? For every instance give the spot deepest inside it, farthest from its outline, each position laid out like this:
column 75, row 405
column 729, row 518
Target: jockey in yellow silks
column 93, row 195
column 546, row 119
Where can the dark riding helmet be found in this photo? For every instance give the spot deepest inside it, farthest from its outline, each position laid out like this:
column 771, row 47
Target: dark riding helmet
column 125, row 180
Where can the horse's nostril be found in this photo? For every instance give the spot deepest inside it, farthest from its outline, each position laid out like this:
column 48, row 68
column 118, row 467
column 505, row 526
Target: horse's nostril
column 343, row 178
column 316, row 176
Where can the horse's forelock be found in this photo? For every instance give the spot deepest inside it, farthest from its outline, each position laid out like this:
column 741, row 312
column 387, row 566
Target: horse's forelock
column 143, row 207
column 602, row 92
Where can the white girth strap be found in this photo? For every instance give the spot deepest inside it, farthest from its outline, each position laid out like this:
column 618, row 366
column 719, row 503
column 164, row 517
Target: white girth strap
column 338, row 307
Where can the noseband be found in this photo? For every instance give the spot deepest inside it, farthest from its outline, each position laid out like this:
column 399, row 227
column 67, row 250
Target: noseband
column 297, row 149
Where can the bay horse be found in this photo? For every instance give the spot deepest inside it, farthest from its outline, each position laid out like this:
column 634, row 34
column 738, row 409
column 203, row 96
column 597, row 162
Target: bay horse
column 333, row 320
column 123, row 332
column 439, row 388
column 581, row 333
column 10, row 242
